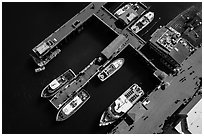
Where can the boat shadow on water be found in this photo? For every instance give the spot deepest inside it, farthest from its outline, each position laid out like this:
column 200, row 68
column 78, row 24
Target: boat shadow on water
column 30, row 65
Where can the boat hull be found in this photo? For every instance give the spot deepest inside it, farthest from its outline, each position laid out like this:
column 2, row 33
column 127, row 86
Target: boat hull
column 62, row 115
column 122, row 105
column 103, row 74
column 66, row 77
column 135, row 27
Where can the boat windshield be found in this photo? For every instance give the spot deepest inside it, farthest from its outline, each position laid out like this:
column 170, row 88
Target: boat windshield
column 62, row 79
column 145, row 20
column 140, row 25
column 115, row 113
column 122, row 104
column 111, row 69
column 54, row 84
column 73, row 103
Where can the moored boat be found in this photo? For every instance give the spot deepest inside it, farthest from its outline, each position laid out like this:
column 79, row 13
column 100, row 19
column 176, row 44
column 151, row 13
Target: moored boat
column 129, row 12
column 123, row 9
column 53, row 87
column 122, row 105
column 142, row 22
column 72, row 105
column 111, row 69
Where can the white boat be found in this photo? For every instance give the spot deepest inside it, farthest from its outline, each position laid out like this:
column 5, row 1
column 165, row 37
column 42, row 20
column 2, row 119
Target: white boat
column 72, row 105
column 128, row 12
column 111, row 69
column 142, row 22
column 39, row 69
column 123, row 9
column 122, row 105
column 54, row 86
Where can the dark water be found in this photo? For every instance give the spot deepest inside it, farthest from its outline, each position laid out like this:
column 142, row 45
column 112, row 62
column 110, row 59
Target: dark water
column 27, row 24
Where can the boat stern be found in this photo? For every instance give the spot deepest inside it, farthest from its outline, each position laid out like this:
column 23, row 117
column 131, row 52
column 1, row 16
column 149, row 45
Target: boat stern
column 102, row 76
